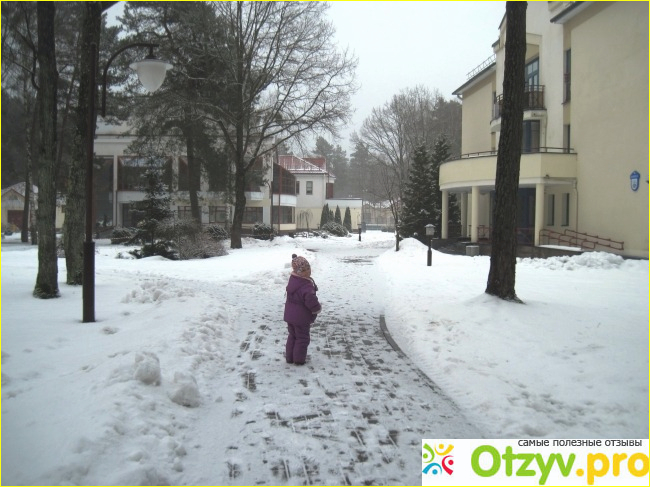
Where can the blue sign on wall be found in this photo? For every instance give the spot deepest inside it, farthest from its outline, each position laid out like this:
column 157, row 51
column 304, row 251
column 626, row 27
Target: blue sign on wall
column 634, row 180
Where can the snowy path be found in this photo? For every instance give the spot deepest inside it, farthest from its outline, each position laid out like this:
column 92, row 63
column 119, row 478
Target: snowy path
column 354, row 415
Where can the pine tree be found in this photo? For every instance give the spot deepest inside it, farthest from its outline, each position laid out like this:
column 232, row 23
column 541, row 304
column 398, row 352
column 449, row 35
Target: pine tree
column 337, row 216
column 325, row 215
column 441, row 153
column 347, row 219
column 155, row 207
column 420, row 206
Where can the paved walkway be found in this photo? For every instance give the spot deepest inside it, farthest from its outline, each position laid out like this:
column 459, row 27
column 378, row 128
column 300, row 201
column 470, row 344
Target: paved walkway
column 355, row 414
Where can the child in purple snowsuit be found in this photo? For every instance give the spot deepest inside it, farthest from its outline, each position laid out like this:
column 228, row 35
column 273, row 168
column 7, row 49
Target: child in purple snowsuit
column 300, row 310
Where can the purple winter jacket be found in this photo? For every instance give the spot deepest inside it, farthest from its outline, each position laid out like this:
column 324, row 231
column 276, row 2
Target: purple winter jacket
column 302, row 303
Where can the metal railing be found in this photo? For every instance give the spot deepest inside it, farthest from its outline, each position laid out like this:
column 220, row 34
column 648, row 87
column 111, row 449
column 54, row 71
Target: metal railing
column 536, row 150
column 533, row 100
column 582, row 240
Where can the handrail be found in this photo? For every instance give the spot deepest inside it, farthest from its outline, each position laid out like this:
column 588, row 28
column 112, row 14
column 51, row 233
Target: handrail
column 580, row 239
column 537, row 150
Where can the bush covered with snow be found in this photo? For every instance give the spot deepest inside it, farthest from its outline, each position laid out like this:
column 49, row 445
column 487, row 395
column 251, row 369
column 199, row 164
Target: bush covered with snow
column 217, row 232
column 335, row 229
column 121, row 235
column 263, row 231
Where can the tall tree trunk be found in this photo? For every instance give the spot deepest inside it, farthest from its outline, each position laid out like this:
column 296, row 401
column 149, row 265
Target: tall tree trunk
column 73, row 226
column 240, row 207
column 47, row 277
column 193, row 167
column 31, row 138
column 501, row 279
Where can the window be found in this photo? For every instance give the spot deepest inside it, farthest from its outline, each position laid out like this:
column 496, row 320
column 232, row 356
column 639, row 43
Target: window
column 550, row 210
column 329, row 191
column 566, row 198
column 310, row 187
column 183, row 174
column 131, row 172
column 218, row 214
column 530, row 142
column 184, row 212
column 253, row 215
column 567, row 138
column 567, row 75
column 297, row 187
column 286, row 214
column 532, row 73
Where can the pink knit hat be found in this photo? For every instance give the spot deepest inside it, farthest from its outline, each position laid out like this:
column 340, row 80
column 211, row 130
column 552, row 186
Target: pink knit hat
column 300, row 266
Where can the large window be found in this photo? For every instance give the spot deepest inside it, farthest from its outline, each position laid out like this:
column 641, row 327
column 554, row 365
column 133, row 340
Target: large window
column 184, row 212
column 218, row 214
column 131, row 172
column 253, row 215
column 532, row 73
column 550, row 210
column 530, row 142
column 287, row 214
column 283, row 181
column 183, row 174
column 566, row 198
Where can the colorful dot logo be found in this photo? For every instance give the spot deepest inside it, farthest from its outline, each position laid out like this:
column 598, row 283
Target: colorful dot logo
column 437, row 459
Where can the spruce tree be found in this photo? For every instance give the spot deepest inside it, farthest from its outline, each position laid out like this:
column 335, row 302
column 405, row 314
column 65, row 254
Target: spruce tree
column 441, row 153
column 325, row 215
column 347, row 219
column 337, row 216
column 420, row 206
column 155, row 207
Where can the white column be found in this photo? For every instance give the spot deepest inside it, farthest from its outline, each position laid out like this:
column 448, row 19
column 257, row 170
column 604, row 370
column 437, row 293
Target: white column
column 463, row 215
column 539, row 210
column 445, row 214
column 475, row 197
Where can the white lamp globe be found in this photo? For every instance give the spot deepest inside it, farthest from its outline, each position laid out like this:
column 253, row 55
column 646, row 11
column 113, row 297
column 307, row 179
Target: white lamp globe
column 151, row 73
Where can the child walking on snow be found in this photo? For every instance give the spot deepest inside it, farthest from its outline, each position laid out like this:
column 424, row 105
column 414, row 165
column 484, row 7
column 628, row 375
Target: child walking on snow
column 300, row 310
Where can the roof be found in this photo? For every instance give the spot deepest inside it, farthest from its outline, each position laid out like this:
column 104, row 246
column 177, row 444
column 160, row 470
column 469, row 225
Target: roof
column 18, row 188
column 307, row 165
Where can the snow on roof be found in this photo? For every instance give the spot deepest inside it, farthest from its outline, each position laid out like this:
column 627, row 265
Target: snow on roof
column 295, row 164
column 18, row 188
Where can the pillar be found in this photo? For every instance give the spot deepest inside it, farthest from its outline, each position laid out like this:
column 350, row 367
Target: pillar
column 463, row 215
column 475, row 197
column 445, row 214
column 539, row 210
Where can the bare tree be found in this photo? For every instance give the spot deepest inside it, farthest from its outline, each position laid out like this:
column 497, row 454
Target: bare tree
column 47, row 278
column 414, row 117
column 501, row 279
column 287, row 79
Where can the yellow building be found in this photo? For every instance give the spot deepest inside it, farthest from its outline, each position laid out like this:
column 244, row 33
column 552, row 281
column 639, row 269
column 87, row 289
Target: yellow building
column 584, row 165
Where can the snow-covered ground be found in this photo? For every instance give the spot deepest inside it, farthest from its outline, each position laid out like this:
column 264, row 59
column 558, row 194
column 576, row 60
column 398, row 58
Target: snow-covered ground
column 181, row 380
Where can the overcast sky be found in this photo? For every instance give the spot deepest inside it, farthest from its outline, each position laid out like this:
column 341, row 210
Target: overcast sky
column 404, row 44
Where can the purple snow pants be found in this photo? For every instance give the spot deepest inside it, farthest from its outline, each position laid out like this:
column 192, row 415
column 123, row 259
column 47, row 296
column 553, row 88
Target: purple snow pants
column 297, row 343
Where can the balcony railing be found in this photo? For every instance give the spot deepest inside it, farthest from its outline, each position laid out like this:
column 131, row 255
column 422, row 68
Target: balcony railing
column 533, row 100
column 537, row 150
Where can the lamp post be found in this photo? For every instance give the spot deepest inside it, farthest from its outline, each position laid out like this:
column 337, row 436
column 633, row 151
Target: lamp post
column 151, row 73
column 430, row 230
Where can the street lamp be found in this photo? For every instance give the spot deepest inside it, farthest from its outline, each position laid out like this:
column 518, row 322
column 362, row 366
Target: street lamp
column 151, row 73
column 430, row 231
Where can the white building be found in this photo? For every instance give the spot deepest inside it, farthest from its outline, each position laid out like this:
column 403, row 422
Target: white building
column 584, row 164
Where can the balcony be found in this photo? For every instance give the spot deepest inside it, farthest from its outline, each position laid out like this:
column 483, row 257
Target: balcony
column 533, row 100
column 479, row 169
